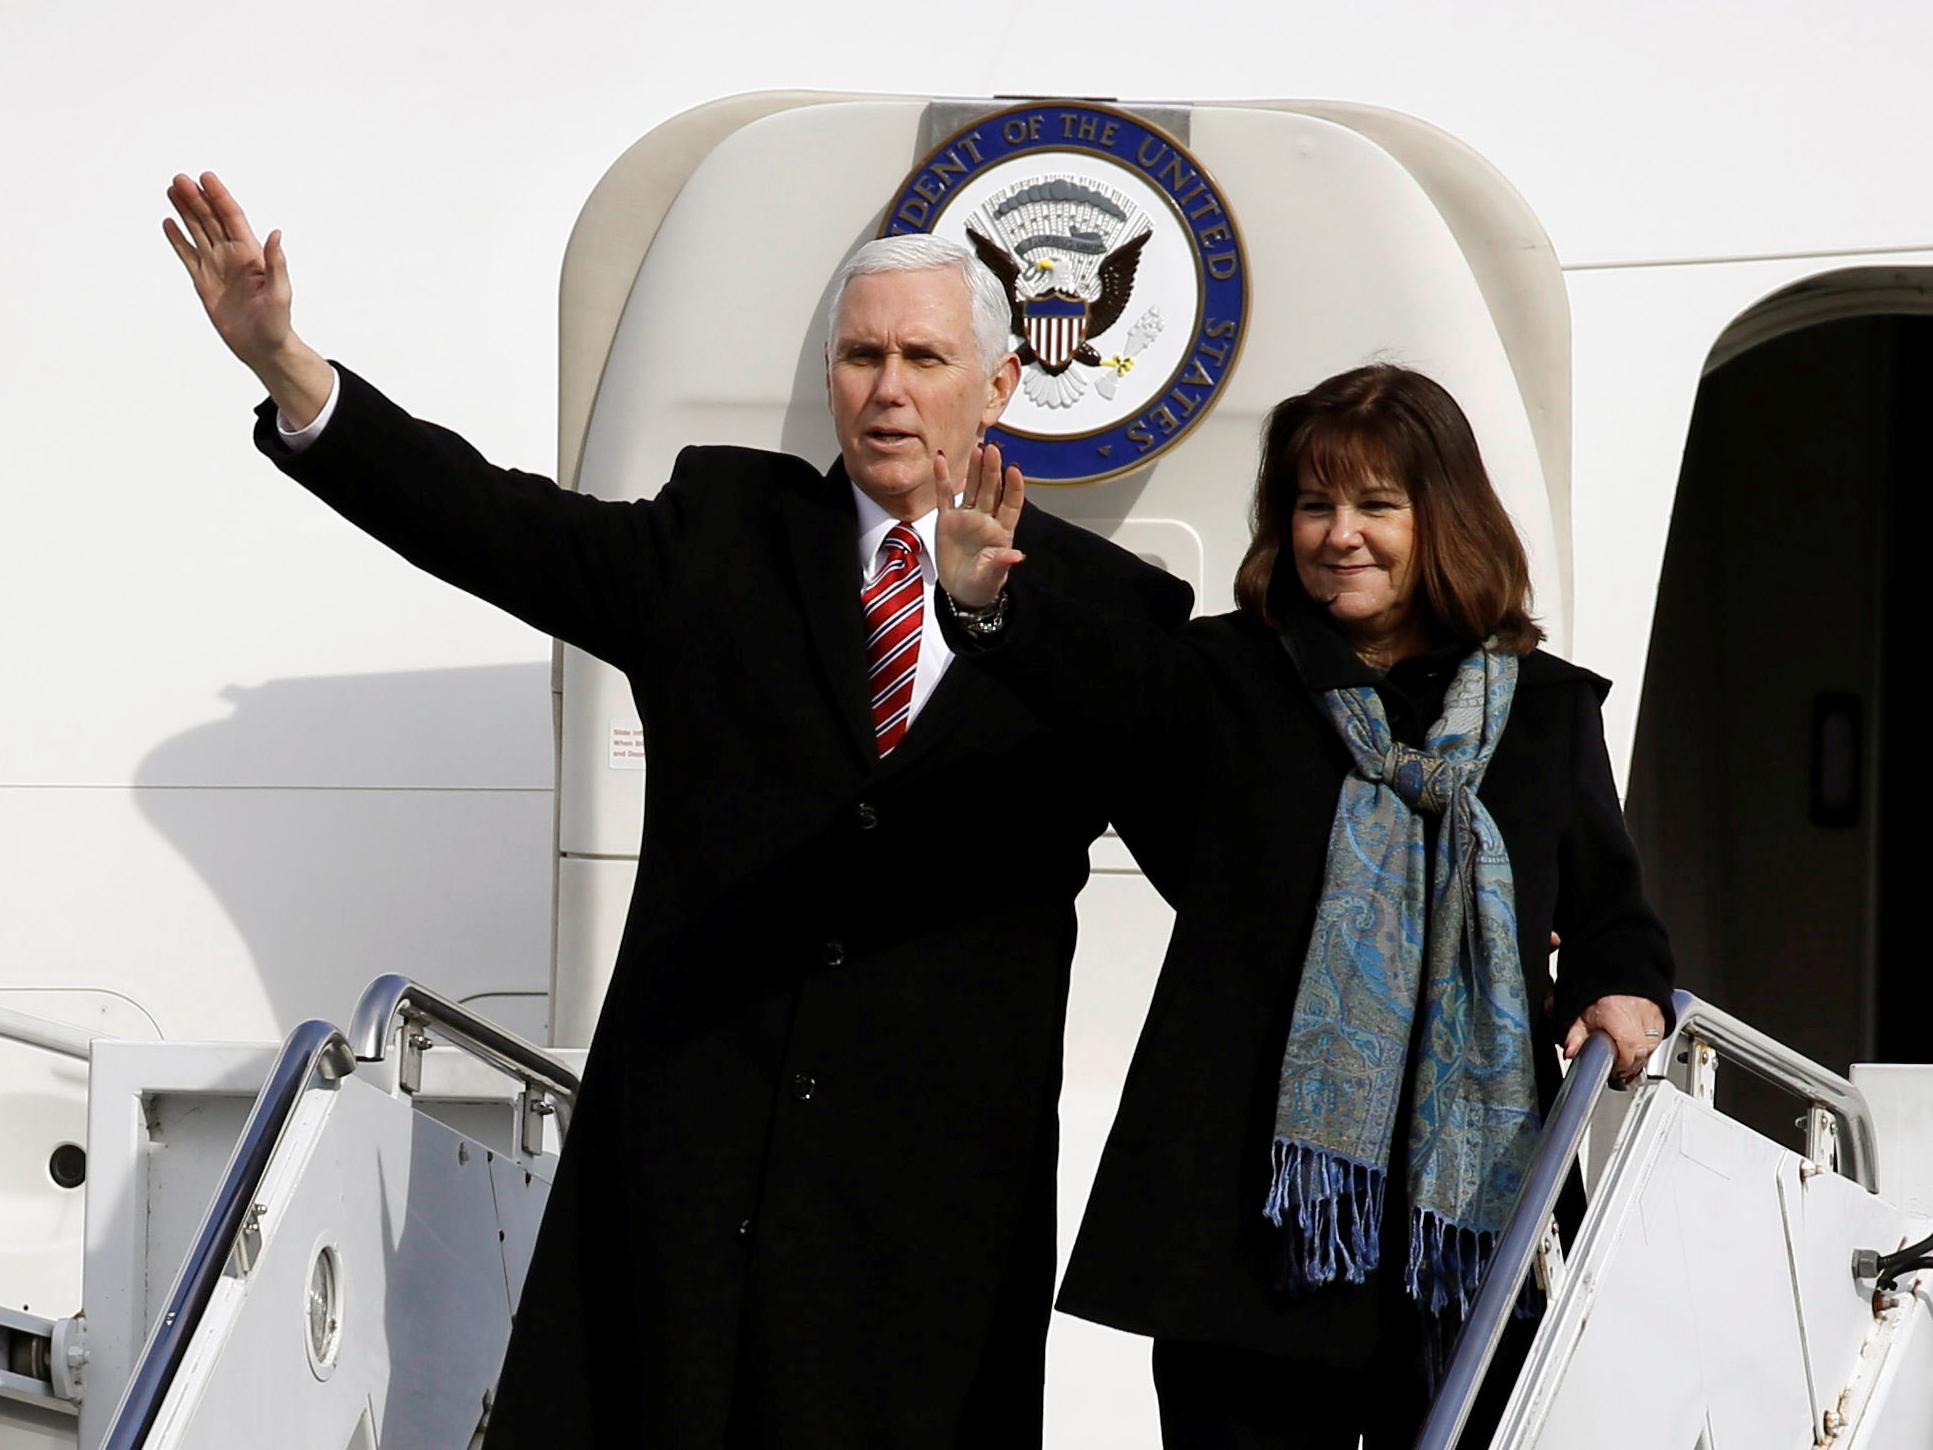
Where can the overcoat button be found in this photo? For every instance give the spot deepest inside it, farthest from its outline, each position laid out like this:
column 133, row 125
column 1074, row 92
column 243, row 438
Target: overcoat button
column 745, row 1228
column 866, row 816
column 802, row 1085
column 835, row 954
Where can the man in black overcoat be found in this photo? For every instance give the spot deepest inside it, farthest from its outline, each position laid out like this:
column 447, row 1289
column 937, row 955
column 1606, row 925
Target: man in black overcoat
column 808, row 1193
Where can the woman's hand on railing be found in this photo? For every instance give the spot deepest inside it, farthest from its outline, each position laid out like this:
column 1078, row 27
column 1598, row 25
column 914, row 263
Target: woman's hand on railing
column 1636, row 1026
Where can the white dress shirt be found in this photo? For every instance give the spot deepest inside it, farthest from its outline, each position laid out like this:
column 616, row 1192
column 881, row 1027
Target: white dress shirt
column 296, row 439
column 874, row 524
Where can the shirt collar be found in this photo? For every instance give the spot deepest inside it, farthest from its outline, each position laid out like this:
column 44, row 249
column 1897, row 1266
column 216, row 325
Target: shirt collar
column 875, row 523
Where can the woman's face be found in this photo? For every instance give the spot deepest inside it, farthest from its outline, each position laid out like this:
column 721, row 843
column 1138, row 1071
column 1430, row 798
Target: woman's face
column 1355, row 553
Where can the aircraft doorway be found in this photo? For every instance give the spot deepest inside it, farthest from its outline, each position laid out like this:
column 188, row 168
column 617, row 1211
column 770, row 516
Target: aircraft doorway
column 1770, row 794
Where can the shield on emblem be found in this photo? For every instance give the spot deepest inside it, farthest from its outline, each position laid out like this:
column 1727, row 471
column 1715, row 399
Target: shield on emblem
column 1056, row 326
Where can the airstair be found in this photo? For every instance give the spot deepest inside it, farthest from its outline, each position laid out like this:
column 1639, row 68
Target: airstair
column 348, row 1282
column 316, row 1247
column 1724, row 1292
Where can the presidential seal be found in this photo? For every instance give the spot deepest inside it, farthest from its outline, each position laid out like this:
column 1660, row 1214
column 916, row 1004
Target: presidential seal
column 1123, row 267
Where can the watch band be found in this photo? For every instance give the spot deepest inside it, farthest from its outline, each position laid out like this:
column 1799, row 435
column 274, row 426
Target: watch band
column 982, row 621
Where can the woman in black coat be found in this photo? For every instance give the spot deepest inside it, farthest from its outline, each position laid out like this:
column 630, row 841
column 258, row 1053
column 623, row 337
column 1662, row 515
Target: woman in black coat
column 1374, row 804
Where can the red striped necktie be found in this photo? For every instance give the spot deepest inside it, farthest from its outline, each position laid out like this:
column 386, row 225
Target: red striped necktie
column 894, row 600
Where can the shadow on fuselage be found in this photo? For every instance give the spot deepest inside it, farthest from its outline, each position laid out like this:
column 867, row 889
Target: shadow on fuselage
column 350, row 825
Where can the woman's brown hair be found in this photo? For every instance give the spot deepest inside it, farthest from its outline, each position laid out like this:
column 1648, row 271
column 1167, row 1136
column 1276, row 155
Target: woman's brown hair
column 1396, row 425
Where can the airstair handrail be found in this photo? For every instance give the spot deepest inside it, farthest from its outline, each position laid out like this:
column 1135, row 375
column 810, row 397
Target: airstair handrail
column 1570, row 1116
column 392, row 995
column 1564, row 1129
column 1744, row 1045
column 46, row 1034
column 315, row 1048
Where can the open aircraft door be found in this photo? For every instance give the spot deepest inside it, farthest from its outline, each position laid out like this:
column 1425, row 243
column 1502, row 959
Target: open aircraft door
column 1286, row 241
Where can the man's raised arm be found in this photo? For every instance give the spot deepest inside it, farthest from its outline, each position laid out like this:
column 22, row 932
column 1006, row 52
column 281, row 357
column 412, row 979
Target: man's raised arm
column 244, row 287
column 582, row 569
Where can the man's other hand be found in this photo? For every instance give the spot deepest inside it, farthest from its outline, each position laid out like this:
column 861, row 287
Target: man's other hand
column 975, row 537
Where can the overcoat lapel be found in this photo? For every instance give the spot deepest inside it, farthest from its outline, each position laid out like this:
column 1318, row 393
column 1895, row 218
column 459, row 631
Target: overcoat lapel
column 823, row 535
column 951, row 703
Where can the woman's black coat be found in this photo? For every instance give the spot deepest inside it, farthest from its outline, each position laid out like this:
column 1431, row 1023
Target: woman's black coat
column 1230, row 775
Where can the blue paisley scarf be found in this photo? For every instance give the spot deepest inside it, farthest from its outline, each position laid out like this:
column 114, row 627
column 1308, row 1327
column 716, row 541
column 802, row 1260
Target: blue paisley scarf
column 1402, row 931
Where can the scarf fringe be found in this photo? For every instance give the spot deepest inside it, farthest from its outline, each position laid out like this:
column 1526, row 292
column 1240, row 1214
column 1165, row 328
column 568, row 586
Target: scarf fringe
column 1442, row 1328
column 1331, row 1207
column 1447, row 1263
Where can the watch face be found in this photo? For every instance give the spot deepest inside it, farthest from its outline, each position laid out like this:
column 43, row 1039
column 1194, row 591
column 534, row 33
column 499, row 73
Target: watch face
column 989, row 617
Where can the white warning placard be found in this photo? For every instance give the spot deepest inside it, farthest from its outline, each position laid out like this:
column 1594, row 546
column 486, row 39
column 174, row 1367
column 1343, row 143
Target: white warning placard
column 627, row 745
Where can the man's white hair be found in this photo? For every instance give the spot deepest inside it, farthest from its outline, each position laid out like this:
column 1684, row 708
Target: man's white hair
column 992, row 312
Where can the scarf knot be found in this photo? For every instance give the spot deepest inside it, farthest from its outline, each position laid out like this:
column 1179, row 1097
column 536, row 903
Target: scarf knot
column 1425, row 782
column 1411, row 989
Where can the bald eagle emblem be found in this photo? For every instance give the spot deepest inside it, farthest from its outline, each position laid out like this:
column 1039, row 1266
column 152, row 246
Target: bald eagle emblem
column 1114, row 273
column 1065, row 252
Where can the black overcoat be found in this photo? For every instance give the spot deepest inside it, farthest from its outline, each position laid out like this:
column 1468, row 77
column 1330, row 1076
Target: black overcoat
column 1234, row 776
column 816, row 1144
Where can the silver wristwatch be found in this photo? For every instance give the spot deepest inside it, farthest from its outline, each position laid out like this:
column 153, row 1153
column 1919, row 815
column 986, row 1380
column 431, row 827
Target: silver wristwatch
column 984, row 622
